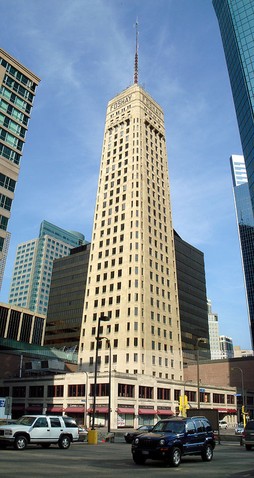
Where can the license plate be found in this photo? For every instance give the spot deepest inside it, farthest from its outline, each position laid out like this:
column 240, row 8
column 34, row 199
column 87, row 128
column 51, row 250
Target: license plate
column 145, row 452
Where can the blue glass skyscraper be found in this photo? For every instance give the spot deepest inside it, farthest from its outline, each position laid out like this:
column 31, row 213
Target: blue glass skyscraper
column 245, row 220
column 236, row 22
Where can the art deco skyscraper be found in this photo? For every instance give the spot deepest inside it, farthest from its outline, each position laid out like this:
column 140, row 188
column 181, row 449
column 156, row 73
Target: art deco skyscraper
column 17, row 91
column 236, row 22
column 132, row 270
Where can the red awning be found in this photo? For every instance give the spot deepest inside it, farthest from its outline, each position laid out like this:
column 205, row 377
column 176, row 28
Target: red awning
column 126, row 410
column 233, row 410
column 146, row 411
column 34, row 409
column 98, row 410
column 55, row 409
column 74, row 409
column 165, row 412
column 17, row 406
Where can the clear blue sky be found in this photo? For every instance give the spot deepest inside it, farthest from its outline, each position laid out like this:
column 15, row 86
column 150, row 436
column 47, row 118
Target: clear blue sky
column 83, row 51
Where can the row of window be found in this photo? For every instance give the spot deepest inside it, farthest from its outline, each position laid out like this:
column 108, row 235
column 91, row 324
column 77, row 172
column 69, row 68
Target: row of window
column 5, row 202
column 7, row 182
column 3, row 222
column 21, row 90
column 17, row 74
column 12, row 126
column 9, row 154
column 13, row 112
column 13, row 98
column 11, row 140
column 124, row 391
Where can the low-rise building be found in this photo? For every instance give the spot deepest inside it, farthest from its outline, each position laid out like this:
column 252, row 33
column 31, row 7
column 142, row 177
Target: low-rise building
column 134, row 399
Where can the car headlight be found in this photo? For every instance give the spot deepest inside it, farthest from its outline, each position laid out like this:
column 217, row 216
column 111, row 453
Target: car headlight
column 8, row 432
column 136, row 441
column 162, row 442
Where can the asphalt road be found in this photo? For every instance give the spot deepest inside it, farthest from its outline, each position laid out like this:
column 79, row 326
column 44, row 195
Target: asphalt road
column 115, row 460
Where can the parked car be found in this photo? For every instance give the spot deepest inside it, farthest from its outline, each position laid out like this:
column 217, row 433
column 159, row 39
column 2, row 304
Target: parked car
column 39, row 429
column 248, row 435
column 223, row 424
column 132, row 434
column 173, row 438
column 82, row 432
column 239, row 429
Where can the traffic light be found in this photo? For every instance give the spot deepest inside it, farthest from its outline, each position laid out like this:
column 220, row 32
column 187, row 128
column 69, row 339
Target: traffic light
column 183, row 404
column 245, row 415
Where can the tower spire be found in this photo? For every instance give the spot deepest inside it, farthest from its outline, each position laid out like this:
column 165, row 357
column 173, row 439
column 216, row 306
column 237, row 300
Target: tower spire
column 136, row 57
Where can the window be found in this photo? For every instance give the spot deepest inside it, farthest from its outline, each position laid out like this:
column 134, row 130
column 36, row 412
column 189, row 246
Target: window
column 125, row 390
column 190, row 428
column 41, row 423
column 145, row 392
column 55, row 391
column 36, row 391
column 163, row 394
column 55, row 422
column 76, row 390
column 19, row 392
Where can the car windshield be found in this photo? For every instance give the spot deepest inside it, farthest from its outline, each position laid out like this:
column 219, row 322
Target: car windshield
column 27, row 421
column 169, row 427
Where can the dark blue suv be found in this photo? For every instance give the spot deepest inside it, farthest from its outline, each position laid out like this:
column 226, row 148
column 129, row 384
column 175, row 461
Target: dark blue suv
column 170, row 439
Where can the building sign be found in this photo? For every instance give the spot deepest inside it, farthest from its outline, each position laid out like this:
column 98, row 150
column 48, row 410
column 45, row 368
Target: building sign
column 121, row 102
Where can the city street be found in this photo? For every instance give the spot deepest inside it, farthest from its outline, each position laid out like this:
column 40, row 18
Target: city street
column 115, row 460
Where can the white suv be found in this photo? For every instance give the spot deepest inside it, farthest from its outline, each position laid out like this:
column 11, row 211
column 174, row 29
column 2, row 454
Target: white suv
column 39, row 429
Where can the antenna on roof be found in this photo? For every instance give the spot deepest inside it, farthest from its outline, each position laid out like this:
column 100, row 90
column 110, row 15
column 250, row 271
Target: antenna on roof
column 136, row 57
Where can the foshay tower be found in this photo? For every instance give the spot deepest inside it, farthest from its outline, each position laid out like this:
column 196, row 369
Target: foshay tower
column 132, row 270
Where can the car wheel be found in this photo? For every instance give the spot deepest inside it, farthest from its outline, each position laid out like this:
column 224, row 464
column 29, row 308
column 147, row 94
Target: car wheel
column 175, row 457
column 64, row 442
column 207, row 454
column 20, row 442
column 248, row 447
column 45, row 445
column 138, row 459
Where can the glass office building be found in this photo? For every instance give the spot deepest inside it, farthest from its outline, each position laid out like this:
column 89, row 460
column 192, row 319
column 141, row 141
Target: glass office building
column 236, row 22
column 31, row 278
column 245, row 221
column 17, row 92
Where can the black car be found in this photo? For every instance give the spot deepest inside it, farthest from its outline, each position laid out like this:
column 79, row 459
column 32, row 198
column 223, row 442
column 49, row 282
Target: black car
column 248, row 435
column 129, row 436
column 170, row 439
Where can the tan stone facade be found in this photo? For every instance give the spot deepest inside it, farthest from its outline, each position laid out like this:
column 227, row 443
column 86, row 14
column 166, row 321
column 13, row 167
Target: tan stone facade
column 132, row 271
column 135, row 399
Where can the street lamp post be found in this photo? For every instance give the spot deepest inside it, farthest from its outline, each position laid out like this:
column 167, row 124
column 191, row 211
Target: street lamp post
column 85, row 401
column 101, row 319
column 109, row 382
column 202, row 340
column 243, row 394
